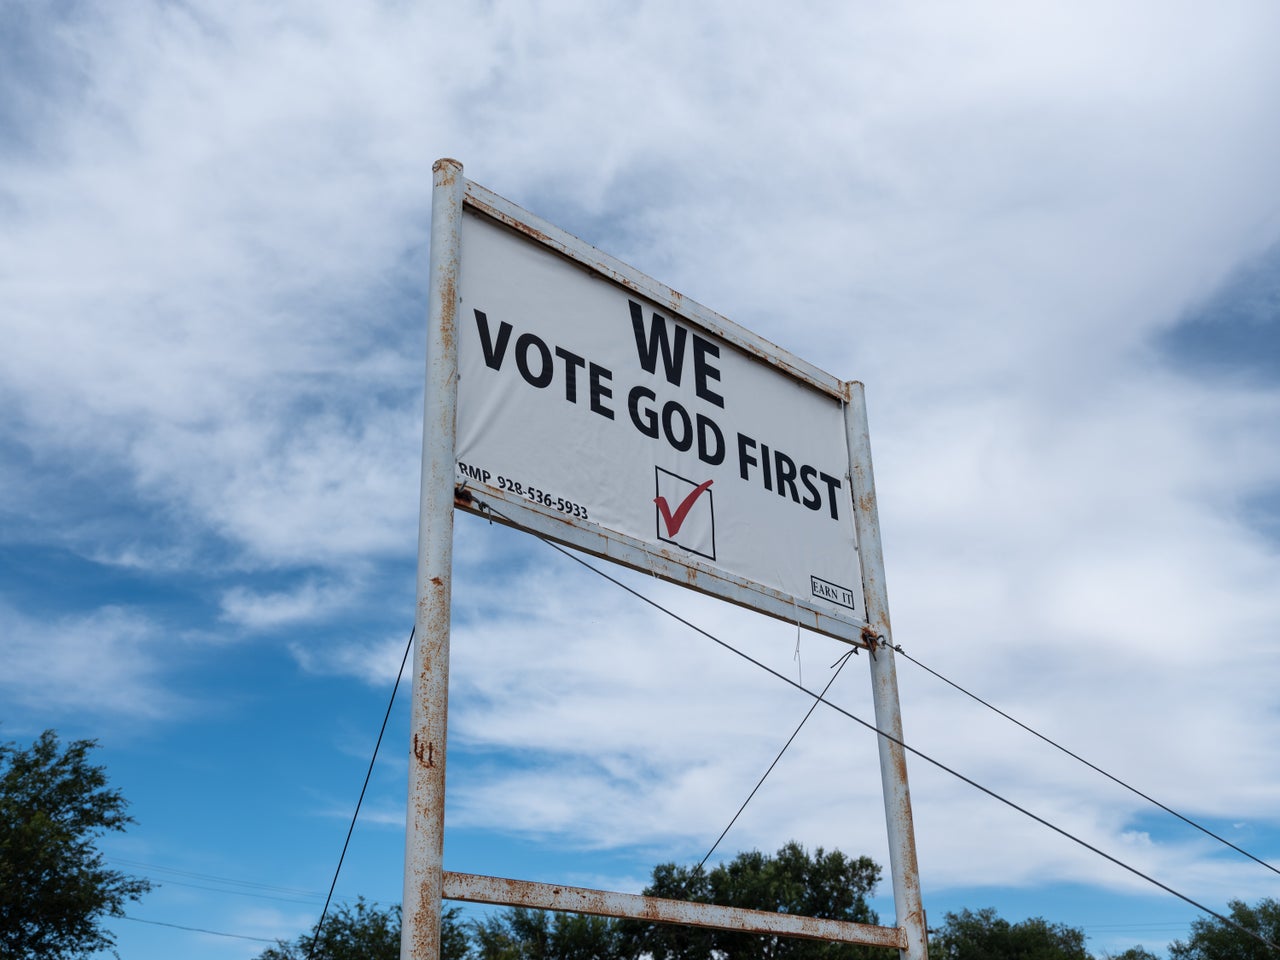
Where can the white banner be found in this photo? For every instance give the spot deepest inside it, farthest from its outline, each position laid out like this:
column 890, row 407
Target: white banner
column 578, row 394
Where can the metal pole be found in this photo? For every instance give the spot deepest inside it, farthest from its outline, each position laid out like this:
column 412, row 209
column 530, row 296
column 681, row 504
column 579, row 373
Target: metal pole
column 884, row 684
column 424, row 828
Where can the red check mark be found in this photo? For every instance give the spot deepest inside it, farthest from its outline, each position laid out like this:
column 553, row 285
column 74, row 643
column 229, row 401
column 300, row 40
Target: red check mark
column 675, row 521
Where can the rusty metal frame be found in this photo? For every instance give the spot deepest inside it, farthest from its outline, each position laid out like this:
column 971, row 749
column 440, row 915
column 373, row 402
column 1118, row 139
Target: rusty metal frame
column 903, row 867
column 426, row 882
column 424, row 828
column 547, row 896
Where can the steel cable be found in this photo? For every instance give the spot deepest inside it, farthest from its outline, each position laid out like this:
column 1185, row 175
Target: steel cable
column 839, row 665
column 368, row 773
column 1091, row 766
column 888, row 736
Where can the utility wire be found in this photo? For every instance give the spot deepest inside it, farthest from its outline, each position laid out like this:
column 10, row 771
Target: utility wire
column 312, row 899
column 156, row 867
column 1091, row 766
column 839, row 665
column 356, row 814
column 299, row 895
column 888, row 736
column 216, row 933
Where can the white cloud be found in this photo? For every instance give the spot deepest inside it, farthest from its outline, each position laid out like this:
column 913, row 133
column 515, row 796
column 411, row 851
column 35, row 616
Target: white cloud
column 212, row 284
column 376, row 662
column 265, row 611
column 108, row 661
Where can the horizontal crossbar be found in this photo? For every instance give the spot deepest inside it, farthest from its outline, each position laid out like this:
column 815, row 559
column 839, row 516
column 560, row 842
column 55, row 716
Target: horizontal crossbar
column 546, row 896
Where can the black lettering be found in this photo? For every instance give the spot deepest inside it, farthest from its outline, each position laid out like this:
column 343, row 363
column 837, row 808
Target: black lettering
column 703, row 371
column 543, row 377
column 814, row 499
column 648, row 347
column 707, row 429
column 745, row 459
column 670, row 410
column 786, row 475
column 493, row 353
column 765, row 463
column 572, row 364
column 832, row 486
column 599, row 391
column 649, row 425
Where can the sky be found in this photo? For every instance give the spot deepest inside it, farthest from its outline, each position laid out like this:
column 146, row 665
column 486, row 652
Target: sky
column 1045, row 235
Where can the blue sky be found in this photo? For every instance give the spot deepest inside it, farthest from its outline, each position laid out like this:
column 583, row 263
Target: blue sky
column 1044, row 235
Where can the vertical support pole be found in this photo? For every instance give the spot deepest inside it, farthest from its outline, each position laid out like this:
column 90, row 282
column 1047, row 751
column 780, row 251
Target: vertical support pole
column 884, row 684
column 424, row 828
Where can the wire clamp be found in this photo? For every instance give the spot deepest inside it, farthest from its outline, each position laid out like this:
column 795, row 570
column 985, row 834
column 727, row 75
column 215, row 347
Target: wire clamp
column 486, row 511
column 872, row 640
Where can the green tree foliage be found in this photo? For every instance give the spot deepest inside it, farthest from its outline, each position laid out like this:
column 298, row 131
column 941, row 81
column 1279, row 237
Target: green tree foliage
column 1211, row 939
column 55, row 890
column 364, row 932
column 1133, row 953
column 520, row 934
column 828, row 885
column 985, row 936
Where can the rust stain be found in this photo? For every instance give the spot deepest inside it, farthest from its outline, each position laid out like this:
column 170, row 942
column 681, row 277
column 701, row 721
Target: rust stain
column 900, row 765
column 450, row 168
column 424, row 751
column 449, row 300
column 437, row 581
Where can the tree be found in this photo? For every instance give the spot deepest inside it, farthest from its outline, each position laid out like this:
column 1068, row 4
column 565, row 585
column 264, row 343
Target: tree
column 364, row 932
column 985, row 936
column 54, row 887
column 1211, row 939
column 522, row 934
column 828, row 885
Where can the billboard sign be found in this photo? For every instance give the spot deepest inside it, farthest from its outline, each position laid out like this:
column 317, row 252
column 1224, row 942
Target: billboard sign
column 600, row 401
column 571, row 396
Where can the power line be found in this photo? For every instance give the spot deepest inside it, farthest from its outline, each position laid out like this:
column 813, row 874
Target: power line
column 216, row 933
column 299, row 895
column 1091, row 766
column 214, row 878
column 888, row 736
column 262, row 886
column 312, row 899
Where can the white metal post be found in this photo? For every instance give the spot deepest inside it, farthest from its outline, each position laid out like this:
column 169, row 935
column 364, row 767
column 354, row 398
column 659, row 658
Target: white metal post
column 884, row 685
column 424, row 828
